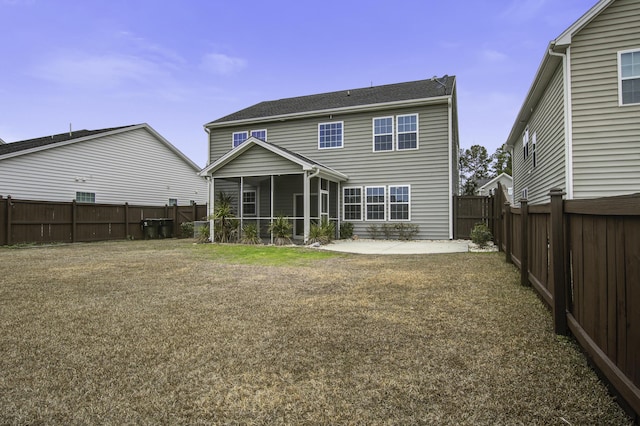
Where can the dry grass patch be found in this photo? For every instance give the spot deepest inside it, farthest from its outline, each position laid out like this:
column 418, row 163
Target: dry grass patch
column 167, row 332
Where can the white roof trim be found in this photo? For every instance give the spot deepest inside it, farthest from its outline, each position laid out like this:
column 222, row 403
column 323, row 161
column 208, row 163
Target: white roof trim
column 252, row 141
column 564, row 39
column 496, row 179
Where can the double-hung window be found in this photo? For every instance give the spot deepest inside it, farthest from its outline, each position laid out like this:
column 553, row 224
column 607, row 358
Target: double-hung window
column 383, row 134
column 260, row 134
column 352, row 202
column 239, row 137
column 249, row 201
column 629, row 71
column 330, row 135
column 86, row 197
column 399, row 201
column 525, row 144
column 375, row 203
column 407, row 131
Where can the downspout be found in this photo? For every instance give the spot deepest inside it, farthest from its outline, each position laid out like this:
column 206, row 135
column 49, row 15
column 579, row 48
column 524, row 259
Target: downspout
column 210, row 190
column 450, row 144
column 568, row 116
column 307, row 201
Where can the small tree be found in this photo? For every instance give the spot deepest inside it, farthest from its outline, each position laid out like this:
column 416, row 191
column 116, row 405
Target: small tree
column 481, row 235
column 225, row 222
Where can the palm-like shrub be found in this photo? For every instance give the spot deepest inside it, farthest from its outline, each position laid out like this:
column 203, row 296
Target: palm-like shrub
column 250, row 234
column 323, row 233
column 225, row 222
column 281, row 230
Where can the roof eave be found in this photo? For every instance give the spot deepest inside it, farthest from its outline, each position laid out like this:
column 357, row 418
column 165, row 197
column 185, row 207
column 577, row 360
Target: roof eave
column 351, row 109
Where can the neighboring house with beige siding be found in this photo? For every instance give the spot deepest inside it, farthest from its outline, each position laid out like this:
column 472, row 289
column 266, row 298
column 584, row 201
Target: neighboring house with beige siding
column 579, row 126
column 129, row 164
column 375, row 157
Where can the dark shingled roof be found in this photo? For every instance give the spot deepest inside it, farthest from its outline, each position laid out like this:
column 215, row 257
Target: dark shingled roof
column 420, row 89
column 48, row 140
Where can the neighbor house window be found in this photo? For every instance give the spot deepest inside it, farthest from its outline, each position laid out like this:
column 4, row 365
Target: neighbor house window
column 259, row 134
column 399, row 199
column 407, row 131
column 249, row 203
column 525, row 144
column 533, row 148
column 173, row 201
column 383, row 134
column 239, row 137
column 86, row 197
column 375, row 203
column 330, row 135
column 629, row 71
column 352, row 201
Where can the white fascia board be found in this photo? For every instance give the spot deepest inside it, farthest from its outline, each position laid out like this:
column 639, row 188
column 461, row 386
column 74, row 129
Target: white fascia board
column 359, row 108
column 564, row 39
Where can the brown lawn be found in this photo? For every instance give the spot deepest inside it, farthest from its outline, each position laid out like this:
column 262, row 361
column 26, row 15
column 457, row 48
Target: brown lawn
column 167, row 332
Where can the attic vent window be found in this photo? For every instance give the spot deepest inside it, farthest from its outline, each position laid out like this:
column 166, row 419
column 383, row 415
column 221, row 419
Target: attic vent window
column 629, row 70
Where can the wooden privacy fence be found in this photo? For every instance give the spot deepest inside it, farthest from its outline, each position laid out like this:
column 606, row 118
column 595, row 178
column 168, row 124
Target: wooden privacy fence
column 469, row 210
column 583, row 259
column 25, row 221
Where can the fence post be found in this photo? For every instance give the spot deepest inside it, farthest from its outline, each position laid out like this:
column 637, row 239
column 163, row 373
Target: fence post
column 126, row 220
column 524, row 247
column 557, row 262
column 74, row 220
column 508, row 237
column 9, row 220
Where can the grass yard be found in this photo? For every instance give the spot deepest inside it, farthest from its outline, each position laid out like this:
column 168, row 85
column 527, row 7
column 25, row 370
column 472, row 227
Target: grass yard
column 167, row 332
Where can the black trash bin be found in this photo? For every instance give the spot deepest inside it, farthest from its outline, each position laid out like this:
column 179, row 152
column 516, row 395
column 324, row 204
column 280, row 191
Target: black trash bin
column 150, row 228
column 166, row 228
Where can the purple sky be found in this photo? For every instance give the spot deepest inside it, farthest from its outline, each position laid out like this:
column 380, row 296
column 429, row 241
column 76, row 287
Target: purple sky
column 179, row 64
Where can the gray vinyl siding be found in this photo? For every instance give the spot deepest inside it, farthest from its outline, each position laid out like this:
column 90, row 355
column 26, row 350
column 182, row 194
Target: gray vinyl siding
column 131, row 166
column 426, row 169
column 547, row 122
column 257, row 161
column 606, row 136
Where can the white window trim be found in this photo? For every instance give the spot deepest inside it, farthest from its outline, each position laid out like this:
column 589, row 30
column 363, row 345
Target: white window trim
column 92, row 195
column 397, row 138
column 390, row 203
column 620, row 53
column 344, row 210
column 525, row 144
column 393, row 134
column 331, row 147
column 255, row 203
column 384, row 204
column 534, row 138
column 233, row 138
column 259, row 130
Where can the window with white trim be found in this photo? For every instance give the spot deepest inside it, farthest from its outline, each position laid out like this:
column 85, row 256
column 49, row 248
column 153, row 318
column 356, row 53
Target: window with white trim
column 330, row 135
column 629, row 72
column 407, row 131
column 383, row 134
column 260, row 134
column 375, row 203
column 239, row 137
column 85, row 197
column 249, row 203
column 525, row 144
column 352, row 203
column 399, row 202
column 533, row 148
column 173, row 201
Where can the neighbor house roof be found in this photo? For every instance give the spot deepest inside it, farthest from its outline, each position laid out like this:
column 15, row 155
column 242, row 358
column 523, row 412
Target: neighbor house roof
column 547, row 68
column 28, row 146
column 420, row 90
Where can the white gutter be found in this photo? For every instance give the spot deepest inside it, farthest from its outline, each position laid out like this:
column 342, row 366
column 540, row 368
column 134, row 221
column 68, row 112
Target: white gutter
column 568, row 116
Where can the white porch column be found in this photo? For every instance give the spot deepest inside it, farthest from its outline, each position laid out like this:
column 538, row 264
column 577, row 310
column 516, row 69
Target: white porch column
column 271, row 213
column 212, row 198
column 307, row 205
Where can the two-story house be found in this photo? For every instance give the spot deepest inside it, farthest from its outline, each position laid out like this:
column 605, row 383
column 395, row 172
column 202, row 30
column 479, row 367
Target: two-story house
column 374, row 156
column 579, row 126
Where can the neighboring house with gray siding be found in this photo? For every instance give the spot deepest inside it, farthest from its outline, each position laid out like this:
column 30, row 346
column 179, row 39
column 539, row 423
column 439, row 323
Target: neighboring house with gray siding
column 131, row 164
column 381, row 155
column 579, row 126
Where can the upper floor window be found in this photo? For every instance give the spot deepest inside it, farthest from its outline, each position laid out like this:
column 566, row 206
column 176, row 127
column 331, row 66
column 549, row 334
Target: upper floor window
column 86, row 197
column 533, row 148
column 330, row 135
column 260, row 134
column 383, row 134
column 408, row 131
column 629, row 71
column 239, row 137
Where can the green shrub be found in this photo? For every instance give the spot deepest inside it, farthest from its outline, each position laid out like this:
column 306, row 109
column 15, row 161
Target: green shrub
column 374, row 231
column 346, row 230
column 388, row 230
column 281, row 230
column 186, row 230
column 323, row 233
column 406, row 231
column 250, row 234
column 203, row 236
column 481, row 235
column 225, row 223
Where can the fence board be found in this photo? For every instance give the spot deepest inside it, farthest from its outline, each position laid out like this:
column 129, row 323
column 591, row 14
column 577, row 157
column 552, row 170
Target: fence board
column 632, row 302
column 469, row 211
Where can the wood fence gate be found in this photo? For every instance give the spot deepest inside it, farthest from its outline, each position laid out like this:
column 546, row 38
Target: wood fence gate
column 469, row 210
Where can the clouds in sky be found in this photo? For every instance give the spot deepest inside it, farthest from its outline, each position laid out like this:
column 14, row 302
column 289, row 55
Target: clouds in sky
column 222, row 64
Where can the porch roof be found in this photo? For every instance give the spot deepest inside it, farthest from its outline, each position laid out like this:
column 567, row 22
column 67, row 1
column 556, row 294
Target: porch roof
column 305, row 163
